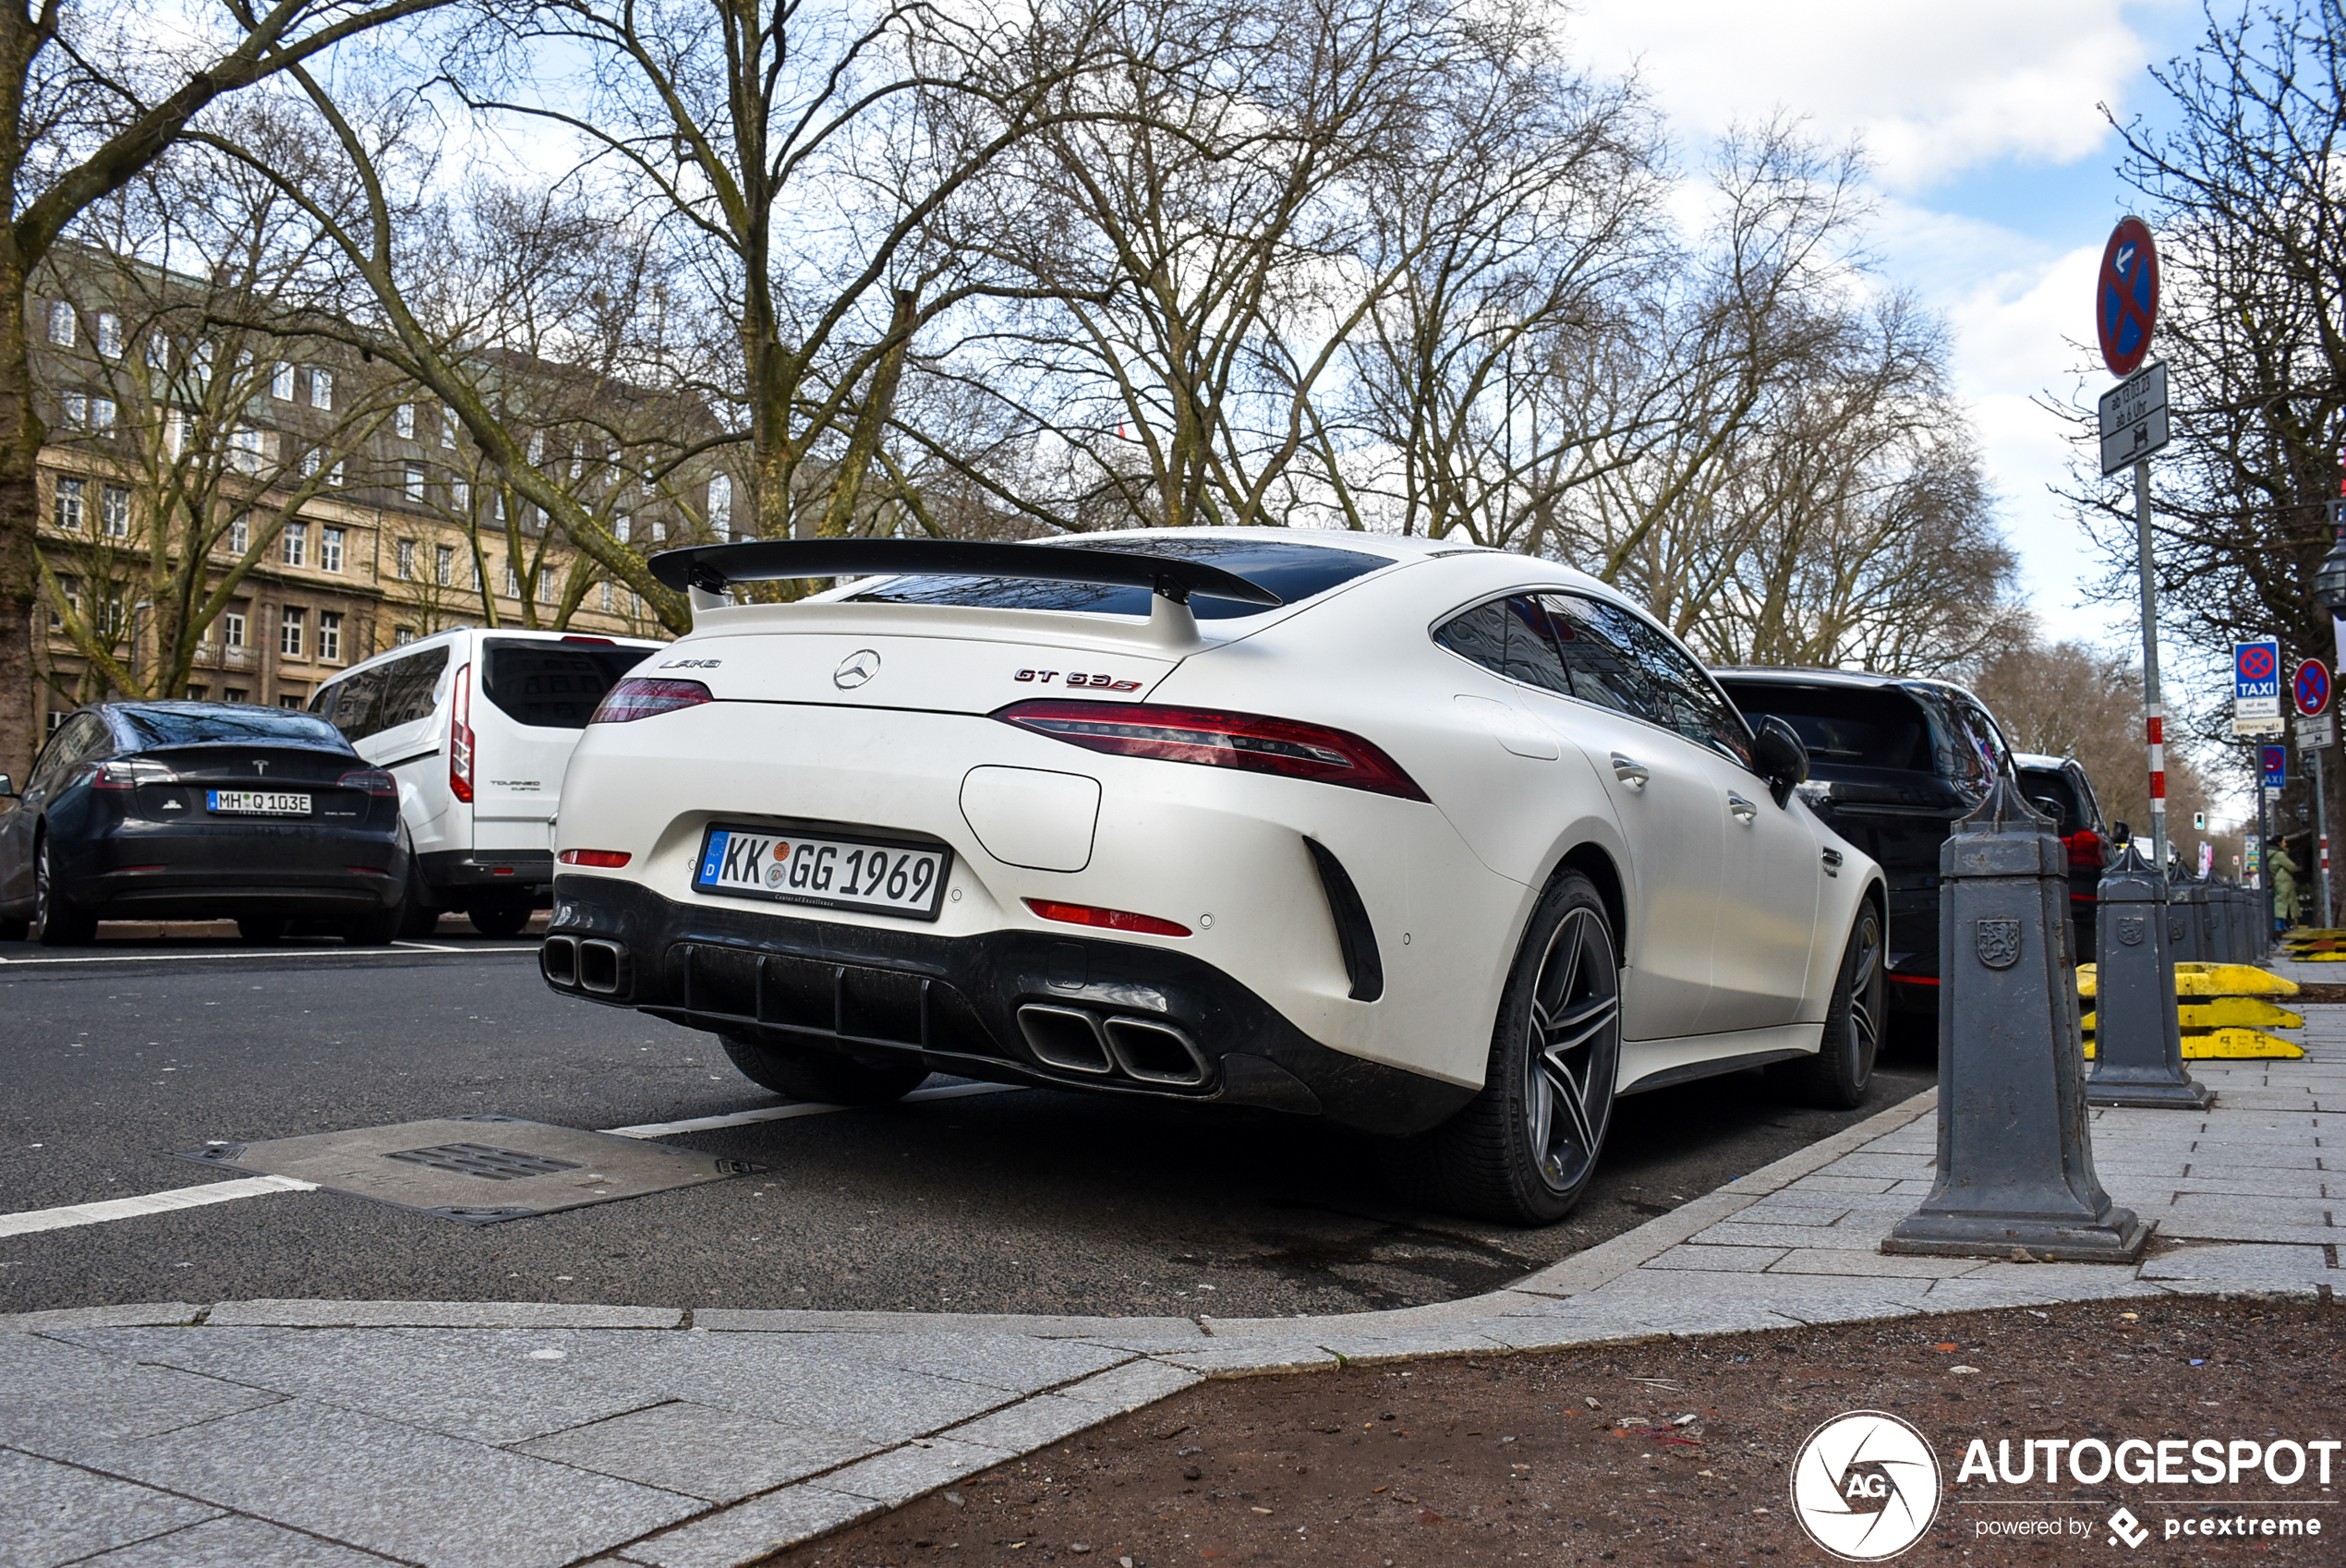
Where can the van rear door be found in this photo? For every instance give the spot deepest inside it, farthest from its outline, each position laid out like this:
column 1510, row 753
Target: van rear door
column 535, row 698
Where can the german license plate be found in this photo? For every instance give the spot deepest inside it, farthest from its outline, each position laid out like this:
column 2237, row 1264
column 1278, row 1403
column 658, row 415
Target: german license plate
column 839, row 874
column 256, row 802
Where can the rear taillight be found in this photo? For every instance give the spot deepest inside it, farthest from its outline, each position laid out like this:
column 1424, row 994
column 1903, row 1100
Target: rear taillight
column 2085, row 849
column 1244, row 741
column 634, row 699
column 610, row 860
column 128, row 772
column 1107, row 919
column 460, row 736
column 374, row 780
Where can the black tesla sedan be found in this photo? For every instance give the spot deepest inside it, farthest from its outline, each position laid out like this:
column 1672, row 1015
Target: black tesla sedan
column 200, row 811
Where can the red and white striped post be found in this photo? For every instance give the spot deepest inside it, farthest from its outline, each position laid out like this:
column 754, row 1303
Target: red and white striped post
column 2154, row 711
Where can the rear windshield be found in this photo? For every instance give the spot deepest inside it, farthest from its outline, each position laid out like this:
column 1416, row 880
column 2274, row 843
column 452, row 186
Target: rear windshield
column 1291, row 570
column 552, row 685
column 195, row 723
column 2053, row 787
column 1847, row 726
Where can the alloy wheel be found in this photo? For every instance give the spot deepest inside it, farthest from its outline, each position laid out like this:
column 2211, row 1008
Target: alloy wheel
column 1572, row 1049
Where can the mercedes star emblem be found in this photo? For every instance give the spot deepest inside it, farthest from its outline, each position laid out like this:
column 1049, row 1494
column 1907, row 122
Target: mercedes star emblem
column 856, row 669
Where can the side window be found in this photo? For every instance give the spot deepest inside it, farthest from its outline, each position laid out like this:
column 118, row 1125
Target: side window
column 353, row 704
column 1956, row 753
column 407, row 686
column 1986, row 738
column 80, row 737
column 1639, row 669
column 1509, row 637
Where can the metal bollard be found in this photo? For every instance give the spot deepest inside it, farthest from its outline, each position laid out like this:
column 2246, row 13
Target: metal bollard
column 2244, row 928
column 2016, row 1175
column 2184, row 902
column 2138, row 1044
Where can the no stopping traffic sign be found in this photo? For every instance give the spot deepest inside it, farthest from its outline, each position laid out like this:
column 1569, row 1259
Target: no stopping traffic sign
column 2310, row 689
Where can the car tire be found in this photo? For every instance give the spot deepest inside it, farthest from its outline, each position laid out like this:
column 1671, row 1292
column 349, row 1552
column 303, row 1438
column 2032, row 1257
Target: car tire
column 1836, row 1077
column 502, row 918
column 821, row 1076
column 376, row 930
column 56, row 923
column 1523, row 1150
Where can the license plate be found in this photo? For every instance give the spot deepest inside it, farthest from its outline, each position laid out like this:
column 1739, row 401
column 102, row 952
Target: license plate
column 256, row 802
column 839, row 874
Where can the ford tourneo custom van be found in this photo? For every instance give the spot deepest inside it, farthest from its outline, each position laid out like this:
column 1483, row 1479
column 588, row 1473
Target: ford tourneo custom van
column 477, row 725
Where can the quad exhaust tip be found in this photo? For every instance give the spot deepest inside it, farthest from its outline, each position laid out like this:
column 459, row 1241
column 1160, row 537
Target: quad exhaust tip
column 592, row 965
column 1148, row 1050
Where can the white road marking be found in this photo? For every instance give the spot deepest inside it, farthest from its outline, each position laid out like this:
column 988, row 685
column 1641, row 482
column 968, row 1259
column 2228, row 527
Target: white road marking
column 73, row 1214
column 802, row 1108
column 255, row 953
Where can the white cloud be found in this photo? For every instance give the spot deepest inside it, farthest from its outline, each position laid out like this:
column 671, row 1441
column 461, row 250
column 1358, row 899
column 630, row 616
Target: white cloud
column 1931, row 91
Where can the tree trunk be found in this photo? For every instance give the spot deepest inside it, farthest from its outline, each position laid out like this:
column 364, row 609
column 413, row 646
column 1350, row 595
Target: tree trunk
column 21, row 434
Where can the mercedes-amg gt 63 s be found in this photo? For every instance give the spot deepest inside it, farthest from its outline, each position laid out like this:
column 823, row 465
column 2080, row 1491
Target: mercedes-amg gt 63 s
column 1448, row 844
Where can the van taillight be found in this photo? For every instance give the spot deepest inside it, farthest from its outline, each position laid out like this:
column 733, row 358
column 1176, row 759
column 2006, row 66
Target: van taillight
column 460, row 736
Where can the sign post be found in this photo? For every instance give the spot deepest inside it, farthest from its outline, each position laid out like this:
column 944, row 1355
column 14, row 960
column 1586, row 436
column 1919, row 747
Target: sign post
column 2315, row 731
column 2125, row 305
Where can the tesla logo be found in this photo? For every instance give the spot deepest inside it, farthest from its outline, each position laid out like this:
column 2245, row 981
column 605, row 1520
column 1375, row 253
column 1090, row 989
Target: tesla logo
column 856, row 669
column 260, row 767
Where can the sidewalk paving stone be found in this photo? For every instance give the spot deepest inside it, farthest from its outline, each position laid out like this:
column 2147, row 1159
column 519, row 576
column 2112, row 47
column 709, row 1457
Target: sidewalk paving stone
column 132, row 1315
column 727, row 1320
column 2247, row 1262
column 748, row 1531
column 1028, row 1425
column 903, row 1474
column 758, row 1375
column 419, row 1496
column 1819, row 1260
column 232, row 1542
column 699, row 1450
column 56, row 1397
column 1719, row 1259
column 57, row 1513
column 1735, row 1232
column 439, row 1315
column 1007, row 1361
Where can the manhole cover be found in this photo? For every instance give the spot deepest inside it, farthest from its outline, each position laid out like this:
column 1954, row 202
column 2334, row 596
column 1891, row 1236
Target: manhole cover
column 479, row 1159
column 437, row 1167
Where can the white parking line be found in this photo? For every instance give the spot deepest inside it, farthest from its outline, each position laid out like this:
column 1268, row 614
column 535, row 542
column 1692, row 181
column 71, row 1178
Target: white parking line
column 803, row 1108
column 256, row 953
column 72, row 1214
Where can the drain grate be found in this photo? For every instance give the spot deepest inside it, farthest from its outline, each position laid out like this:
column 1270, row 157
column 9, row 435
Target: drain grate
column 480, row 1160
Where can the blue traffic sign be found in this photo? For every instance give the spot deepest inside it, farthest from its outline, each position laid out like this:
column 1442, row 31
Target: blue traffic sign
column 2256, row 670
column 2275, row 761
column 2311, row 688
column 2126, row 297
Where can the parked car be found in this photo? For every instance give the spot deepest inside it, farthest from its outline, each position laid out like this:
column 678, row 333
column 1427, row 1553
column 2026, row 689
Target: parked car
column 1449, row 844
column 1893, row 762
column 477, row 725
column 2059, row 787
column 200, row 811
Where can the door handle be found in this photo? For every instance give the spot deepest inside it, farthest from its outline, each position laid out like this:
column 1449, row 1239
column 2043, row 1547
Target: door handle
column 1629, row 771
column 1743, row 809
column 1832, row 862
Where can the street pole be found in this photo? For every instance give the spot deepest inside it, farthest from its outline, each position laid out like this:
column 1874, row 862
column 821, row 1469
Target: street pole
column 2321, row 826
column 2154, row 714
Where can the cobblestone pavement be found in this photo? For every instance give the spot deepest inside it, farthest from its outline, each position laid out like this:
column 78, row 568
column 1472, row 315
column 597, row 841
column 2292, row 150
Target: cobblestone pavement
column 325, row 1433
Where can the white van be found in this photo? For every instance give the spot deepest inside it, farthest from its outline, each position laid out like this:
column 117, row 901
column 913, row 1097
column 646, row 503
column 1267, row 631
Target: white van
column 477, row 727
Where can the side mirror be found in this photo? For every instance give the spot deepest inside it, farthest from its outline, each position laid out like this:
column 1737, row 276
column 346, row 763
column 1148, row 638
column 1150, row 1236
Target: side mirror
column 2053, row 809
column 7, row 787
column 1782, row 756
column 2120, row 835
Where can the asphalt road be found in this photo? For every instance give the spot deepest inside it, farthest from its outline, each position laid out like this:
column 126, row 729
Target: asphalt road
column 1019, row 1201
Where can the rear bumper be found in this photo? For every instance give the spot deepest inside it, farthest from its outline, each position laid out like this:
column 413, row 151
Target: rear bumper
column 197, row 874
column 462, row 871
column 968, row 1005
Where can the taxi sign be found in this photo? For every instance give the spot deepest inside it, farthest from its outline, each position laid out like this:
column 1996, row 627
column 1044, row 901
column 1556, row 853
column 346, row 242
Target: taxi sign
column 2257, row 687
column 2274, row 761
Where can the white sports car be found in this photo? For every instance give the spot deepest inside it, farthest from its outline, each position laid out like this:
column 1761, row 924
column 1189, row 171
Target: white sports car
column 1448, row 844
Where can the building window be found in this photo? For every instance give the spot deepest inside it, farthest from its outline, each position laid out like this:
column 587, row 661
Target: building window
column 322, row 387
column 200, row 359
column 309, row 461
column 621, row 527
column 69, row 507
column 545, row 586
column 444, row 566
column 198, row 694
column 512, row 580
column 660, row 530
column 159, row 350
column 447, row 428
column 290, row 700
column 537, row 446
column 405, row 555
column 296, row 544
column 234, row 695
column 404, row 421
column 232, row 633
column 248, row 449
column 414, row 485
column 608, row 599
column 400, row 634
column 721, row 506
column 460, row 495
column 76, row 407
column 109, row 335
column 114, row 513
column 61, row 324
column 330, row 550
column 239, row 535
column 289, row 632
column 102, row 415
column 497, row 505
column 281, row 380
column 330, row 634
column 69, row 588
column 334, row 475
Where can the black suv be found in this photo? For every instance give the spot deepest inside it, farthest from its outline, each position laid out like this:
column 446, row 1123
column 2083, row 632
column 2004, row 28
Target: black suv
column 2059, row 787
column 1893, row 762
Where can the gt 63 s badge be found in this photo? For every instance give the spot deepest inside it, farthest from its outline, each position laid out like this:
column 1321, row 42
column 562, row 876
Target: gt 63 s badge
column 1865, row 1486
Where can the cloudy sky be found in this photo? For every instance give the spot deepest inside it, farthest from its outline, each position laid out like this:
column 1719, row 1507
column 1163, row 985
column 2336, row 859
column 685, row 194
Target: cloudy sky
column 1993, row 167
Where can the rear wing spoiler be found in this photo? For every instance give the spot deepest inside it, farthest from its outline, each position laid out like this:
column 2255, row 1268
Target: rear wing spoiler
column 707, row 571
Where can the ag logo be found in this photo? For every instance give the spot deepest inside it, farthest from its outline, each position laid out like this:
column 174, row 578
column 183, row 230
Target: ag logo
column 856, row 669
column 1865, row 1486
